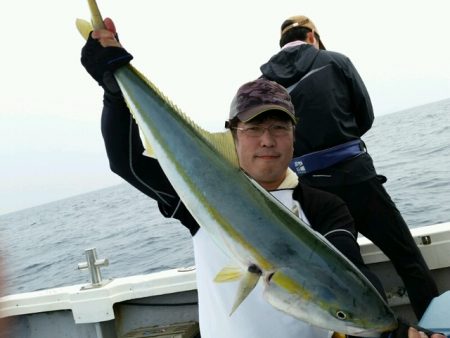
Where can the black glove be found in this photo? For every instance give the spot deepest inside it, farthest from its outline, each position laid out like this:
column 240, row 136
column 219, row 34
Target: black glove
column 402, row 330
column 100, row 62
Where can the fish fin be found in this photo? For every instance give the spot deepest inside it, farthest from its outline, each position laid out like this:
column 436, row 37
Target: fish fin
column 248, row 281
column 84, row 27
column 96, row 17
column 246, row 286
column 223, row 142
column 149, row 152
column 229, row 274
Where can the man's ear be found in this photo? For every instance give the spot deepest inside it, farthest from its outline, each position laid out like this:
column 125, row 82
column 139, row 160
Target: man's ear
column 310, row 38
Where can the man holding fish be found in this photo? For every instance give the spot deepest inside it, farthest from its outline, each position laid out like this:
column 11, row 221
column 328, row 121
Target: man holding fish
column 262, row 123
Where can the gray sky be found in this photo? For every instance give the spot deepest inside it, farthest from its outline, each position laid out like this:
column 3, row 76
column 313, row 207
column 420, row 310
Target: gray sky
column 197, row 52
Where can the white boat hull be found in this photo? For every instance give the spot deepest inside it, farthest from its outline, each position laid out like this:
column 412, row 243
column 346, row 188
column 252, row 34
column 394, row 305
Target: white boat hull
column 164, row 304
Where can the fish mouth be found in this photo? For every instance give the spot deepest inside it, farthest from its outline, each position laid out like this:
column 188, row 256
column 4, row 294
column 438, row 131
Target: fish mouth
column 374, row 330
column 368, row 333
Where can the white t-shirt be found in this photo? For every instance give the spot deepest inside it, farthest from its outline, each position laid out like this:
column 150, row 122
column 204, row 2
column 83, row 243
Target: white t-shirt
column 255, row 317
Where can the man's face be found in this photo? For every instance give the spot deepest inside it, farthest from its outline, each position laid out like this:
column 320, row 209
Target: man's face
column 266, row 157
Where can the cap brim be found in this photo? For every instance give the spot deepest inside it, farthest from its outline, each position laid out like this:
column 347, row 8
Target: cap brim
column 250, row 114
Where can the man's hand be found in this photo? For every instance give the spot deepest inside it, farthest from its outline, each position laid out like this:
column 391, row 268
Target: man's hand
column 107, row 37
column 413, row 333
column 408, row 330
column 103, row 54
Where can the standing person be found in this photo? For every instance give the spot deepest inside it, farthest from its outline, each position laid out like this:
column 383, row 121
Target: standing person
column 264, row 145
column 334, row 111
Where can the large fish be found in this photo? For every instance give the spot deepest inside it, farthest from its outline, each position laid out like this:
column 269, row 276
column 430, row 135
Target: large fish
column 304, row 275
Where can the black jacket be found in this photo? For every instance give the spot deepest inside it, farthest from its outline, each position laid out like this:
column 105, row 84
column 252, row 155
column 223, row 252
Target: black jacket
column 331, row 103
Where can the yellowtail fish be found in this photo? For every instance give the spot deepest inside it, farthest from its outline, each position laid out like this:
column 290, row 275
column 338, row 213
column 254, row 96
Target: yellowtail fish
column 304, row 275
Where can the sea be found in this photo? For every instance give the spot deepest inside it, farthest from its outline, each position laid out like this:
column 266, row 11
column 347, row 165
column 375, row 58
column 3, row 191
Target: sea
column 43, row 245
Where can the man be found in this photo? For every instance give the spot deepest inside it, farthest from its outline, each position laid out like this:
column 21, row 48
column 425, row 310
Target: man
column 334, row 111
column 264, row 144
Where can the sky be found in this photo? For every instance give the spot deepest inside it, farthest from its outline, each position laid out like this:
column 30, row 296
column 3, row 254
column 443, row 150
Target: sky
column 198, row 53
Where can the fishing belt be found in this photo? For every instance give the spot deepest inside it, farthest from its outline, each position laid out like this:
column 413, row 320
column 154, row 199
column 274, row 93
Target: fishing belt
column 323, row 159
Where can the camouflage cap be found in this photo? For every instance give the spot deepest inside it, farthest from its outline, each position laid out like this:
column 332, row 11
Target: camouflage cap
column 259, row 96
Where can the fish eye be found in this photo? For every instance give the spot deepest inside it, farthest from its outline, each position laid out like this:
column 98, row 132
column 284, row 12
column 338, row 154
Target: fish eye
column 341, row 315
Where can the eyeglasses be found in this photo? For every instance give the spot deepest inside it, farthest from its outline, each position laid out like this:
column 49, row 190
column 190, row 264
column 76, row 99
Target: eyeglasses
column 274, row 130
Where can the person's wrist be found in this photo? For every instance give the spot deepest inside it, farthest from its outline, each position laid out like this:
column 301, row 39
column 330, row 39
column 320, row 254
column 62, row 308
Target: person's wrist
column 101, row 62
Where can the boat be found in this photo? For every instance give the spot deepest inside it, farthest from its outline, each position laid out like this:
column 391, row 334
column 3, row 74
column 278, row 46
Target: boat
column 164, row 304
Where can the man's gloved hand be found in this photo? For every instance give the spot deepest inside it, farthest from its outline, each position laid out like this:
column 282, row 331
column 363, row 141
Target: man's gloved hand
column 100, row 62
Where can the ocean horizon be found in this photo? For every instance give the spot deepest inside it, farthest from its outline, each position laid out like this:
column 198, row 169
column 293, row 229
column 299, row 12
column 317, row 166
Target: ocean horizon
column 42, row 245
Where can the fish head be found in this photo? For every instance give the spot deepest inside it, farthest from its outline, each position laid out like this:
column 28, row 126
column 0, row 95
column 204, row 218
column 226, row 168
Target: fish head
column 359, row 312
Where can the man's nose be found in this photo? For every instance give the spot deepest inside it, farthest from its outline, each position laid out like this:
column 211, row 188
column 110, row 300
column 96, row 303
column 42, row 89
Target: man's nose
column 267, row 138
